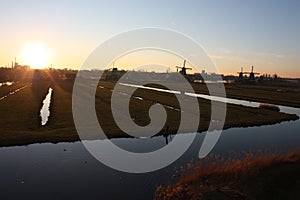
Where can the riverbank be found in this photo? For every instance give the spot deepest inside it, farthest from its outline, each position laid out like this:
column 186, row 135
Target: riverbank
column 250, row 176
column 20, row 124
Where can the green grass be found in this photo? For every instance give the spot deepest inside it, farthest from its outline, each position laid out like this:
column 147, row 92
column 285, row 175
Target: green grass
column 20, row 121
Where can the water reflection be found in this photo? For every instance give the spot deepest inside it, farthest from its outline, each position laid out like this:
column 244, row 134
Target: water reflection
column 151, row 88
column 167, row 135
column 13, row 92
column 45, row 111
column 224, row 100
column 8, row 83
column 285, row 109
column 209, row 97
column 65, row 166
column 139, row 98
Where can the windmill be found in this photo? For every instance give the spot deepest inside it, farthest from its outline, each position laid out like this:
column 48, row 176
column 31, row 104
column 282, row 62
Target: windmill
column 241, row 73
column 252, row 74
column 183, row 69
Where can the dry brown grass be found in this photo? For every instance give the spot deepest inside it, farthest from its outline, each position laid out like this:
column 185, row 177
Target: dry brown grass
column 231, row 177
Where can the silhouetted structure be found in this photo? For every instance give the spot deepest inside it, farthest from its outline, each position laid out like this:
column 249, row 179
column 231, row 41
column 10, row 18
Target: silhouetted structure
column 252, row 74
column 242, row 78
column 166, row 135
column 112, row 74
column 183, row 69
column 241, row 73
column 17, row 66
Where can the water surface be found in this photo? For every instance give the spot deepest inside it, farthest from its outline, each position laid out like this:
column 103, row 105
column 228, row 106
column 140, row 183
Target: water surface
column 12, row 92
column 8, row 83
column 68, row 171
column 45, row 110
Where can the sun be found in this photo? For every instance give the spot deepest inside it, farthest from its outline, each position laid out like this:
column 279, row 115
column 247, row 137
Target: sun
column 36, row 55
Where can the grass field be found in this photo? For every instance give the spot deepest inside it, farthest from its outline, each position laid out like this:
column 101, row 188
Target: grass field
column 20, row 121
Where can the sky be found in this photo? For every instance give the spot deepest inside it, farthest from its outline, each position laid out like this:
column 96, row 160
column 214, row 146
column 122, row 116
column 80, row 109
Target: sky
column 234, row 33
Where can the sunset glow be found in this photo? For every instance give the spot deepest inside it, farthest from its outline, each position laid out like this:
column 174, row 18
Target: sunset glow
column 36, row 55
column 267, row 38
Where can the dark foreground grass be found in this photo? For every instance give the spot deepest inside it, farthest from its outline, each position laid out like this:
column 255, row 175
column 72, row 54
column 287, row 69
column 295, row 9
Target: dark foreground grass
column 20, row 121
column 4, row 90
column 259, row 175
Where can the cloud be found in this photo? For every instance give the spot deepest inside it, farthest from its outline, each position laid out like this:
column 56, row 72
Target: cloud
column 224, row 50
column 224, row 57
column 270, row 55
column 281, row 56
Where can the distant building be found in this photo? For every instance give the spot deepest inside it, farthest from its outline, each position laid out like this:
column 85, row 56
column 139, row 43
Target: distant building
column 17, row 66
